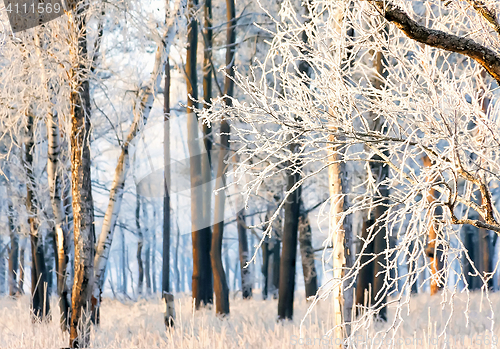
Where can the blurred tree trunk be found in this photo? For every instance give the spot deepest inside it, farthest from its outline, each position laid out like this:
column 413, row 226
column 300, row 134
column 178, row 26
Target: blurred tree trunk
column 246, row 276
column 81, row 185
column 13, row 253
column 364, row 284
column 307, row 255
column 371, row 277
column 123, row 256
column 165, row 283
column 140, row 243
column 50, row 260
column 22, row 248
column 153, row 260
column 147, row 249
column 39, row 291
column 271, row 257
column 289, row 241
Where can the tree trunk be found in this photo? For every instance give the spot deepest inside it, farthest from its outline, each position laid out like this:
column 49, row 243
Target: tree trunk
column 50, row 260
column 124, row 263
column 140, row 243
column 153, row 255
column 433, row 251
column 147, row 256
column 246, row 276
column 56, row 199
column 289, row 252
column 142, row 110
column 13, row 253
column 201, row 236
column 176, row 258
column 307, row 256
column 165, row 286
column 21, row 265
column 39, row 292
column 364, row 282
column 220, row 283
column 81, row 186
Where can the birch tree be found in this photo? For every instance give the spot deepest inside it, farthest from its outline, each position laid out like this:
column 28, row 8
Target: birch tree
column 141, row 112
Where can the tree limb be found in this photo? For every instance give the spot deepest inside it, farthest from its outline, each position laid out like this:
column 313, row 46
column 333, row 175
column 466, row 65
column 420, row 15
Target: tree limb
column 488, row 58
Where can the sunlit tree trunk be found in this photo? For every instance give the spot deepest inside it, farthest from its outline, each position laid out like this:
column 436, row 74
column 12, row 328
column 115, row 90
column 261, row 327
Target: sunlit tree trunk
column 81, row 187
column 433, row 251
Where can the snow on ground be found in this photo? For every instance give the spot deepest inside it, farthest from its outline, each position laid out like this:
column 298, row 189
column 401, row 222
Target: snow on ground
column 252, row 324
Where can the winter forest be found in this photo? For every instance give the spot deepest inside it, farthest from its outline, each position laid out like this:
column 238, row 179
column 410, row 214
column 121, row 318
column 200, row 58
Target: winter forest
column 249, row 174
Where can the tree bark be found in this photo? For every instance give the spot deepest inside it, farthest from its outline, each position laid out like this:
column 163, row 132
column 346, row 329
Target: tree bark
column 201, row 235
column 220, row 283
column 289, row 251
column 21, row 265
column 81, row 187
column 147, row 249
column 483, row 55
column 140, row 243
column 39, row 291
column 13, row 253
column 56, row 198
column 246, row 276
column 307, row 256
column 165, row 286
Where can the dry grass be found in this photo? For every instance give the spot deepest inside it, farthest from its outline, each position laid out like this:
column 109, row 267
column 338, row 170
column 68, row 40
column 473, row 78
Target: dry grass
column 252, row 324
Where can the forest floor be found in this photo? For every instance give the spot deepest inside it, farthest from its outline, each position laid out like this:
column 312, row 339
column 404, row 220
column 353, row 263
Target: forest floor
column 252, row 324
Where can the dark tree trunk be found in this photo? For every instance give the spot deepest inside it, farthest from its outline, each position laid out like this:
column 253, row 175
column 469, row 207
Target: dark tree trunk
column 307, row 256
column 13, row 254
column 289, row 252
column 379, row 242
column 201, row 235
column 21, row 266
column 51, row 262
column 165, row 283
column 265, row 268
column 364, row 284
column 220, row 283
column 140, row 243
column 81, row 185
column 39, row 291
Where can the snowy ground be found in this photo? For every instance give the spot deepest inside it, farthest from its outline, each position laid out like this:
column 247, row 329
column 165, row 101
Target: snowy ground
column 252, row 325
